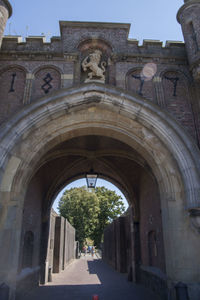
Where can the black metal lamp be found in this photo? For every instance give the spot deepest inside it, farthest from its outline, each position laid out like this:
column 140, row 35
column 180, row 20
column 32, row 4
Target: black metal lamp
column 91, row 179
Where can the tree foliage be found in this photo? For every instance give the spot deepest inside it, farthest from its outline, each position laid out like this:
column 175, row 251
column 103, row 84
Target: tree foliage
column 89, row 211
column 81, row 208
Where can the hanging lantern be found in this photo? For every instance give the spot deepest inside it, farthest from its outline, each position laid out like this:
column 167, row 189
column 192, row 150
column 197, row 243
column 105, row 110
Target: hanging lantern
column 91, row 179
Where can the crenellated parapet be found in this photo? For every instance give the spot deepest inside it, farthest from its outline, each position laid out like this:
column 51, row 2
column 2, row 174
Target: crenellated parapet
column 38, row 44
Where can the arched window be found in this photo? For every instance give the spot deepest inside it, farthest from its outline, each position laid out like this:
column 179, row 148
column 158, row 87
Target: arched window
column 27, row 258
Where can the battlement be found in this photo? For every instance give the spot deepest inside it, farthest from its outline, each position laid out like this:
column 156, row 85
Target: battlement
column 152, row 43
column 40, row 39
column 175, row 44
column 13, row 38
column 73, row 34
column 39, row 44
column 32, row 38
column 148, row 43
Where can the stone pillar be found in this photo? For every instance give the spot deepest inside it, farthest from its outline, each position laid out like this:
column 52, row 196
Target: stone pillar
column 188, row 17
column 123, row 245
column 132, row 243
column 159, row 91
column 28, row 87
column 58, row 244
column 67, row 80
column 65, row 252
column 5, row 13
column 137, row 250
column 50, row 249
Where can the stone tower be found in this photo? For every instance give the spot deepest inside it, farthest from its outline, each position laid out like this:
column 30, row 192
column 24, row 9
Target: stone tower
column 5, row 13
column 188, row 17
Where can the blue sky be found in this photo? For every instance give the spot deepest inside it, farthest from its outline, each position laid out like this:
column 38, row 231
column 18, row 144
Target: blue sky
column 149, row 19
column 82, row 182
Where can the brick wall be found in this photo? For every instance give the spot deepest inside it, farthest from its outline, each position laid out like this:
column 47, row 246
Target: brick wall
column 151, row 236
column 117, row 245
column 177, row 100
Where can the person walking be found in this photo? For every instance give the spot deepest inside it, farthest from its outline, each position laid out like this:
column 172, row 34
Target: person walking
column 92, row 251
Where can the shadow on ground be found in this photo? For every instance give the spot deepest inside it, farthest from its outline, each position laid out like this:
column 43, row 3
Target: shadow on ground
column 114, row 286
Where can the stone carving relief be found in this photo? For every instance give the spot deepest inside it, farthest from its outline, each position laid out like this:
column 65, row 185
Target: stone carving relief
column 95, row 66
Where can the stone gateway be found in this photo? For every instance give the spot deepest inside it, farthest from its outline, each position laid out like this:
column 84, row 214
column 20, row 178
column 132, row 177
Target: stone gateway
column 93, row 98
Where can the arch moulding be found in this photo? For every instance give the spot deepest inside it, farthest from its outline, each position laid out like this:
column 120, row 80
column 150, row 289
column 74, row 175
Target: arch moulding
column 99, row 109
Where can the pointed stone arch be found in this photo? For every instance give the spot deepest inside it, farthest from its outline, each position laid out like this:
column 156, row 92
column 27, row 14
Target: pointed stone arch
column 147, row 122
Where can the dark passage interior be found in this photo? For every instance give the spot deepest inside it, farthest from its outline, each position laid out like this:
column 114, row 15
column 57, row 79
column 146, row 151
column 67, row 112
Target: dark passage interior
column 133, row 244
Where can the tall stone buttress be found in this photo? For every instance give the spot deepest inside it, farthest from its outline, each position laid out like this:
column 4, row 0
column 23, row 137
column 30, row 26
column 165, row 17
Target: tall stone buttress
column 188, row 17
column 5, row 13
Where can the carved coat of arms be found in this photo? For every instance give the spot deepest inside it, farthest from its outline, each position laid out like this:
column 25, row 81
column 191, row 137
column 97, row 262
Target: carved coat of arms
column 97, row 69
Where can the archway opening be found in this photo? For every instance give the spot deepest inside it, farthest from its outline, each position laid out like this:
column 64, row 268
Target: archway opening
column 121, row 165
column 101, row 204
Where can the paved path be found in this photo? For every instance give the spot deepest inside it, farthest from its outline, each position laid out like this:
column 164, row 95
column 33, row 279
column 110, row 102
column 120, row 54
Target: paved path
column 86, row 277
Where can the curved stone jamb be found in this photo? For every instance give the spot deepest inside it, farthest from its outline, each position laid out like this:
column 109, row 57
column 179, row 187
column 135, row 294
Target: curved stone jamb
column 97, row 109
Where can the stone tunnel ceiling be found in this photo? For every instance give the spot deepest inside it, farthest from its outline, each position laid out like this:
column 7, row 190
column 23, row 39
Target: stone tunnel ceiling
column 110, row 158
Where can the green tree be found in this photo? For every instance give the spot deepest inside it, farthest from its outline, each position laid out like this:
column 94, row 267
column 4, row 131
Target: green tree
column 81, row 208
column 111, row 206
column 90, row 211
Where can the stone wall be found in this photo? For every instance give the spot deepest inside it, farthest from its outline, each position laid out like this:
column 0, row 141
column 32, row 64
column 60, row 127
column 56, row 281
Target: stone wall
column 60, row 252
column 117, row 246
column 61, row 246
column 143, row 244
column 151, row 233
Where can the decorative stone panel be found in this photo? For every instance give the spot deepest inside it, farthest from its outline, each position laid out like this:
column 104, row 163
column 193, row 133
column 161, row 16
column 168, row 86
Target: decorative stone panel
column 12, row 84
column 177, row 100
column 141, row 84
column 47, row 80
